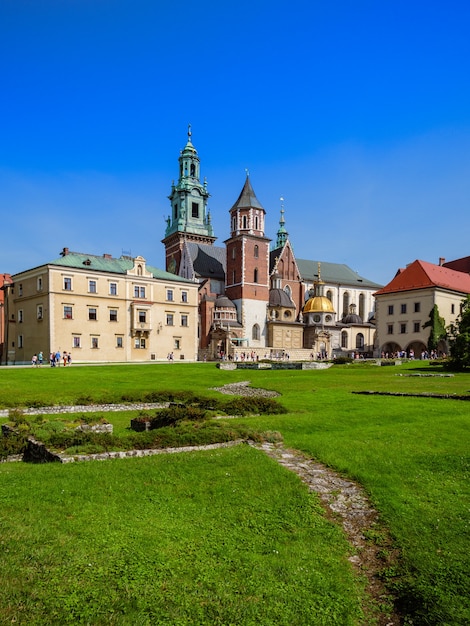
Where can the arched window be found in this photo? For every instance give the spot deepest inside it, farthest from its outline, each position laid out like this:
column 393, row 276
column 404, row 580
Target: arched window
column 362, row 300
column 288, row 291
column 256, row 252
column 139, row 270
column 193, row 169
column 345, row 303
column 234, row 223
column 359, row 340
column 344, row 339
column 329, row 295
column 255, row 275
column 255, row 333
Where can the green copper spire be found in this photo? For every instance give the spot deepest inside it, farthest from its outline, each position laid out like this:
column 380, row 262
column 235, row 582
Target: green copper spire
column 282, row 233
column 189, row 212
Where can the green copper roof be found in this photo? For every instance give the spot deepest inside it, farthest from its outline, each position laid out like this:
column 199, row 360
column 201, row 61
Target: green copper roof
column 78, row 260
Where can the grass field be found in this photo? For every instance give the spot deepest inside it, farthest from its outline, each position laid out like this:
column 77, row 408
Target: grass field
column 230, row 537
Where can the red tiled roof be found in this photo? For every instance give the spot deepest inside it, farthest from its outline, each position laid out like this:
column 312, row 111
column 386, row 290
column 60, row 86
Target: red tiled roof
column 422, row 275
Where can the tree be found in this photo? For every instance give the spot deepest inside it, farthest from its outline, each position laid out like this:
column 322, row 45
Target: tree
column 438, row 328
column 460, row 338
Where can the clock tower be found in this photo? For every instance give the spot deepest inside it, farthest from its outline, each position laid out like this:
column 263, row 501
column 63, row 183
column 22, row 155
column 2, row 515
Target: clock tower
column 190, row 218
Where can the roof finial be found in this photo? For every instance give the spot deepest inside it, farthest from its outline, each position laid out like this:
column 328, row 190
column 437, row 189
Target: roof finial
column 319, row 271
column 247, row 172
column 189, row 132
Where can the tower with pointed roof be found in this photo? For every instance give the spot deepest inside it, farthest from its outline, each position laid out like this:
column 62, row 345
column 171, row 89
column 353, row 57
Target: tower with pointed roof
column 247, row 274
column 190, row 218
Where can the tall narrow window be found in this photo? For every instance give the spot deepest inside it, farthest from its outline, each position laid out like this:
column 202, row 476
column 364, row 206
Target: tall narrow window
column 255, row 275
column 244, row 222
column 345, row 303
column 344, row 339
column 92, row 286
column 113, row 289
column 359, row 340
column 256, row 252
column 255, row 332
column 195, row 210
column 361, row 306
column 67, row 283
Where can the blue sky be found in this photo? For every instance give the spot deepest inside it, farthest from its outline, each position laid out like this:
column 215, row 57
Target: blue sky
column 356, row 113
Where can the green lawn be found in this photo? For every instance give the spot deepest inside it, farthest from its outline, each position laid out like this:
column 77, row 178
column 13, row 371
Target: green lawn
column 229, row 537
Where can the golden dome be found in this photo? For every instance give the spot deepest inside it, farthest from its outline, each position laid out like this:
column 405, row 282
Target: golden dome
column 318, row 304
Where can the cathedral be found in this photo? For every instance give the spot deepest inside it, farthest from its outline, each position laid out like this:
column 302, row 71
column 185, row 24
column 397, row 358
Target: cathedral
column 256, row 299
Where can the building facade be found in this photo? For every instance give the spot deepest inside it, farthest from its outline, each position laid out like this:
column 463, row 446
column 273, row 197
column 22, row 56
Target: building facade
column 100, row 309
column 404, row 305
column 252, row 292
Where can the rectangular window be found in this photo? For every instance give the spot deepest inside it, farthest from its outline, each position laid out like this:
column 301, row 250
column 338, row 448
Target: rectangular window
column 390, row 309
column 403, row 308
column 139, row 343
column 20, row 316
column 118, row 342
column 452, row 308
column 39, row 284
column 139, row 292
column 195, row 209
column 169, row 319
column 77, row 341
column 417, row 307
column 113, row 315
column 142, row 317
column 416, row 327
column 94, row 343
column 390, row 329
column 67, row 312
column 39, row 312
column 184, row 296
column 20, row 289
column 113, row 289
column 92, row 286
column 177, row 344
column 67, row 283
column 169, row 295
column 184, row 320
column 20, row 341
column 92, row 314
column 402, row 329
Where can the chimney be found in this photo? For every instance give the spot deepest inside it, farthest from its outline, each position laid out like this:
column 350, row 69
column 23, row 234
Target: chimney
column 64, row 252
column 107, row 256
column 441, row 261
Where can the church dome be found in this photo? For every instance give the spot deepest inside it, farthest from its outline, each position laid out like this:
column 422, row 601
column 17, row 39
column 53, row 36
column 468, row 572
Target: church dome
column 222, row 302
column 351, row 318
column 318, row 304
column 278, row 297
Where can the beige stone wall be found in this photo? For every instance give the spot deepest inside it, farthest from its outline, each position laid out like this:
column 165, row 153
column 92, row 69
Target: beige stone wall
column 102, row 317
column 424, row 299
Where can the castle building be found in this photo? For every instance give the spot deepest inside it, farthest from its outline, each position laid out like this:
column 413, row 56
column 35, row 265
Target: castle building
column 252, row 291
column 404, row 305
column 100, row 309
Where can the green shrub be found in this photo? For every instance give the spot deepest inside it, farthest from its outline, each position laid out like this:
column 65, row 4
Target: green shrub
column 342, row 360
column 14, row 443
column 253, row 405
column 174, row 414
